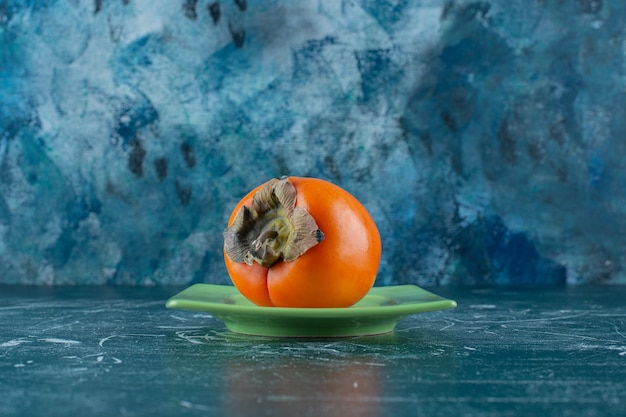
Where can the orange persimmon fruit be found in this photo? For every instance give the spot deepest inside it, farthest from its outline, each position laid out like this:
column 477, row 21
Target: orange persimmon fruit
column 301, row 242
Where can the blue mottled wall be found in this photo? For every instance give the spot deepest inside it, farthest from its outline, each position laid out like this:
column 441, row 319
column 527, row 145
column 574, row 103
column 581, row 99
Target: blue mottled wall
column 485, row 137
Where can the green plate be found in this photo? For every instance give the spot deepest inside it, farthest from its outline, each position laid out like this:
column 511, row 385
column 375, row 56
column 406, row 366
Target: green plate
column 378, row 312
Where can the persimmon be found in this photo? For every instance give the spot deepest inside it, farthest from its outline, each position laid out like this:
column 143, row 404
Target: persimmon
column 301, row 242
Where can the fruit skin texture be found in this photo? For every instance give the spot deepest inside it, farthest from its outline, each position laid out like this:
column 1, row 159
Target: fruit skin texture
column 337, row 272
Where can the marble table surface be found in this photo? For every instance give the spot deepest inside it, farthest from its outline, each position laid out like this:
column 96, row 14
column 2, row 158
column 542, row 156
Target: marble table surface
column 110, row 351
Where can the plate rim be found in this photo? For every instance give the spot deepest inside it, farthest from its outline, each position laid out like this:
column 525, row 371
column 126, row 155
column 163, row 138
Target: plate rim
column 438, row 303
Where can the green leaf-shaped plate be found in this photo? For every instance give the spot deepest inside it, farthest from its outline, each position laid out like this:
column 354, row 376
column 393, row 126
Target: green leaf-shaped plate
column 378, row 312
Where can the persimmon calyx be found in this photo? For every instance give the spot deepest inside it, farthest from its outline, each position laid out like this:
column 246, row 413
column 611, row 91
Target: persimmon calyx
column 272, row 229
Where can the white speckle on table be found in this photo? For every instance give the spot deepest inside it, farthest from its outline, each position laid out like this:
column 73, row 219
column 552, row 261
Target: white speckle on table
column 60, row 341
column 447, row 326
column 620, row 349
column 197, row 338
column 203, row 315
column 192, row 406
column 191, row 339
column 181, row 327
column 101, row 342
column 14, row 342
column 104, row 339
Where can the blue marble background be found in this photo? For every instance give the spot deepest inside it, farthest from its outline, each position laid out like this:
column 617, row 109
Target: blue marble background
column 485, row 137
